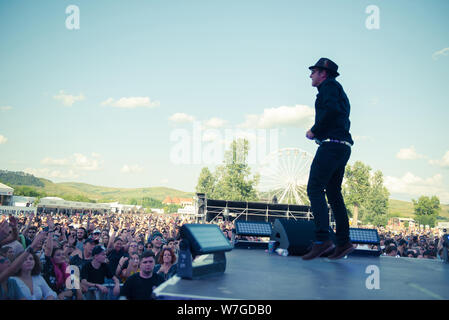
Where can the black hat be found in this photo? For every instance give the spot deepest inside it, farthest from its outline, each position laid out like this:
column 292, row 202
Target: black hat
column 97, row 250
column 327, row 64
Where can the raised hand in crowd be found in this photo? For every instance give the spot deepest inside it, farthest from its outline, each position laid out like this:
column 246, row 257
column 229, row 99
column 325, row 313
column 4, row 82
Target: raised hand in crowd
column 4, row 230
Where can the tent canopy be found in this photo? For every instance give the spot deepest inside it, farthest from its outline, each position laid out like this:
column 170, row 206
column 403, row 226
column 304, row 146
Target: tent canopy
column 5, row 190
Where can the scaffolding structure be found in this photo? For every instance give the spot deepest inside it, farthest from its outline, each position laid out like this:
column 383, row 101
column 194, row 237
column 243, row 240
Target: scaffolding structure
column 212, row 210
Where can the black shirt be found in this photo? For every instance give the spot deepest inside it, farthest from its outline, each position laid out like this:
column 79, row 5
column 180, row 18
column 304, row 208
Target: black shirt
column 332, row 112
column 93, row 275
column 114, row 258
column 79, row 262
column 138, row 288
column 48, row 272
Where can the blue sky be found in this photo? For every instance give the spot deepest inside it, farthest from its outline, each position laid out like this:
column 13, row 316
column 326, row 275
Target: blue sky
column 102, row 103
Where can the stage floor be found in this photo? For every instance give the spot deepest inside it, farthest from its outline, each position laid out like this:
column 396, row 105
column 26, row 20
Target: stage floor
column 253, row 274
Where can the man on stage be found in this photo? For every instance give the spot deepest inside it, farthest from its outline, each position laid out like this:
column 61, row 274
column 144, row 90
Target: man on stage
column 331, row 132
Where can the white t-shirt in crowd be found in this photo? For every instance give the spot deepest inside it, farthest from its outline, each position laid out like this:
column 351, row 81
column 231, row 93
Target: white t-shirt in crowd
column 41, row 290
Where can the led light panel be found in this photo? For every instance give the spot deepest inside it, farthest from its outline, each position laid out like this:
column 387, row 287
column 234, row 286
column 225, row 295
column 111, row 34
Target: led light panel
column 205, row 238
column 366, row 236
column 261, row 229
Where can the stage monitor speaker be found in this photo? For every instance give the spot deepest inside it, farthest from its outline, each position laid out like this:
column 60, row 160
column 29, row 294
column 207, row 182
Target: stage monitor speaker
column 202, row 251
column 202, row 203
column 296, row 236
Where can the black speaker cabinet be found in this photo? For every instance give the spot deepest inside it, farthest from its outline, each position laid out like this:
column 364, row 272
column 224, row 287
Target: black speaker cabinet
column 201, row 203
column 296, row 236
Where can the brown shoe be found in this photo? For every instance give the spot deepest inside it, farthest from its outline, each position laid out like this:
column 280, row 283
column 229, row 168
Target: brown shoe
column 319, row 250
column 341, row 251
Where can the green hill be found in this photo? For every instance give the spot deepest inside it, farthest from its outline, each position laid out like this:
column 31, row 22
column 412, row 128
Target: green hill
column 87, row 192
column 19, row 179
column 122, row 194
column 404, row 209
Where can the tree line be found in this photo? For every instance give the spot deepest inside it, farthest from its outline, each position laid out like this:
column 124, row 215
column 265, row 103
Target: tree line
column 19, row 179
column 364, row 192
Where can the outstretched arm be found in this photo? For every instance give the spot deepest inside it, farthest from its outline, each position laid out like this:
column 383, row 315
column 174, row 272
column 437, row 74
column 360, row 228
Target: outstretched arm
column 17, row 263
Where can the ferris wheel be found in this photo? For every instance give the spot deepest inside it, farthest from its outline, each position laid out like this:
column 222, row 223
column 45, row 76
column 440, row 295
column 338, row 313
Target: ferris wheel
column 284, row 175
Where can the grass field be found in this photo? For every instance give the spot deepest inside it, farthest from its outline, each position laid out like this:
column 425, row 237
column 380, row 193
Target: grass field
column 404, row 209
column 108, row 194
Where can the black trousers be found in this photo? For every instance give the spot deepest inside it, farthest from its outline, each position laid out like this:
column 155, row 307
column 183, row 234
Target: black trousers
column 326, row 176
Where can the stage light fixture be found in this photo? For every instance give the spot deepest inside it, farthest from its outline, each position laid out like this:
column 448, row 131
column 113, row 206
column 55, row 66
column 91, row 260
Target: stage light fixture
column 198, row 241
column 255, row 229
column 252, row 229
column 365, row 236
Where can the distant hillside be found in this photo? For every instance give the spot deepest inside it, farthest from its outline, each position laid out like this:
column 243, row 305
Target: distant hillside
column 19, row 179
column 71, row 190
column 86, row 192
column 122, row 194
column 404, row 209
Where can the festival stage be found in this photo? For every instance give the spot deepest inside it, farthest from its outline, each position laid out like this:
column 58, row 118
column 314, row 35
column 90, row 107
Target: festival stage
column 253, row 274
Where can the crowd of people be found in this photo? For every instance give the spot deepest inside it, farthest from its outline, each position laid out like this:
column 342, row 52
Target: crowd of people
column 421, row 244
column 118, row 256
column 85, row 256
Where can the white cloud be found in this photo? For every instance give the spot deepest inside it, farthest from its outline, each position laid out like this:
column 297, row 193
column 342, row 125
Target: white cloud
column 68, row 99
column 70, row 167
column 444, row 162
column 215, row 123
column 181, row 118
column 84, row 163
column 131, row 169
column 409, row 154
column 55, row 162
column 3, row 139
column 284, row 116
column 51, row 174
column 77, row 161
column 131, row 102
column 211, row 135
column 415, row 186
column 5, row 108
column 443, row 52
column 164, row 181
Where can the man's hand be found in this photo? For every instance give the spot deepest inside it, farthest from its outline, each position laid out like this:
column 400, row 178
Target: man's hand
column 102, row 289
column 122, row 261
column 4, row 230
column 37, row 241
column 13, row 221
column 50, row 223
column 310, row 135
